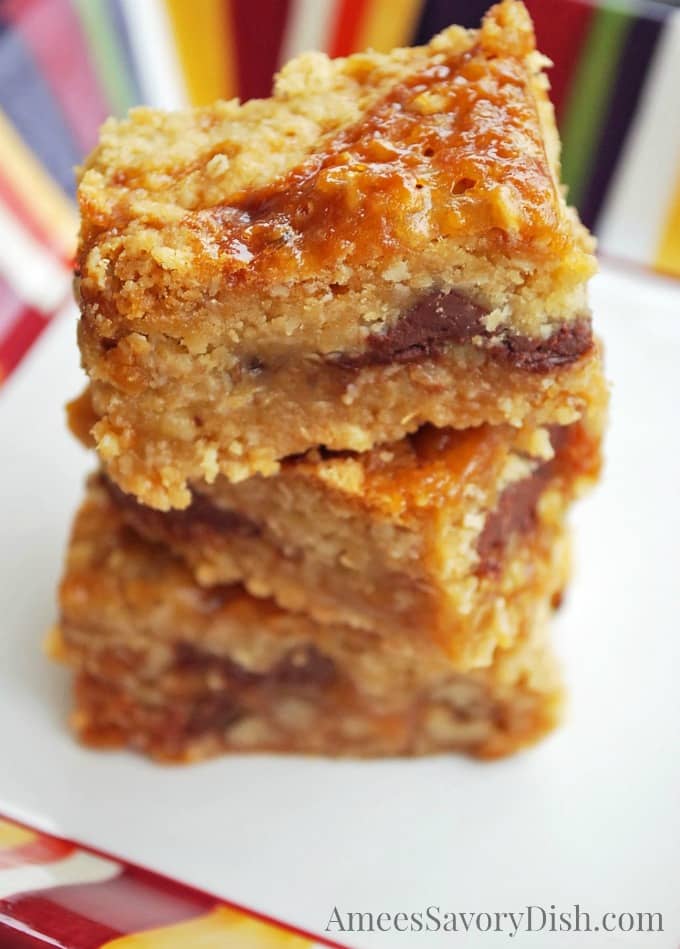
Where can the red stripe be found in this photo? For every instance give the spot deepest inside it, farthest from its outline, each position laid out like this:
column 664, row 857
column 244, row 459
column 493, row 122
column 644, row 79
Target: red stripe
column 561, row 30
column 85, row 916
column 37, row 921
column 89, row 913
column 258, row 33
column 42, row 850
column 19, row 340
column 52, row 32
column 24, row 214
column 20, row 326
column 346, row 26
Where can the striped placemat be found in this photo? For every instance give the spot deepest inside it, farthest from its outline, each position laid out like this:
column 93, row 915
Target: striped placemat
column 54, row 892
column 67, row 64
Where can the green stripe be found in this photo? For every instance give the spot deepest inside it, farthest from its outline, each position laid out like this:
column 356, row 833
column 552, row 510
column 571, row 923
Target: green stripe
column 107, row 57
column 589, row 96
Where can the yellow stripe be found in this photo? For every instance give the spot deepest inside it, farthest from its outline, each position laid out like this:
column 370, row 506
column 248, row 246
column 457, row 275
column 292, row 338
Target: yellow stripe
column 222, row 928
column 668, row 252
column 388, row 24
column 46, row 201
column 11, row 835
column 204, row 39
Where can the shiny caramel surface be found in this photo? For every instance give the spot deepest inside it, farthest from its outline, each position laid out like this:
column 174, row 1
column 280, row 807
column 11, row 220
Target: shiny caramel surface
column 356, row 160
column 455, row 148
column 432, row 467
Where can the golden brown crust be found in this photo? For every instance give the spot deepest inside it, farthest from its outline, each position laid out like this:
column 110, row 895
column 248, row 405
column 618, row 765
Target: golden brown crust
column 437, row 532
column 447, row 140
column 248, row 274
column 181, row 671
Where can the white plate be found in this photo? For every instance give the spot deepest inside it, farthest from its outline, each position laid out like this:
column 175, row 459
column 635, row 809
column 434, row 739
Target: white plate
column 591, row 816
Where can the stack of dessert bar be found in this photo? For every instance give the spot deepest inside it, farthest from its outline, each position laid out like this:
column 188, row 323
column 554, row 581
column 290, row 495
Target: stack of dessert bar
column 343, row 390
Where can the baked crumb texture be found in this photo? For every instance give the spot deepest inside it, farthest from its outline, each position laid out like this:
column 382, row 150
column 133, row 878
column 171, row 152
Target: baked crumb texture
column 429, row 537
column 343, row 388
column 381, row 244
column 182, row 672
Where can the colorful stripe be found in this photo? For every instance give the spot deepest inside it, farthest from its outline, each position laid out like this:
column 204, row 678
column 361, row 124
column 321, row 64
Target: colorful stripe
column 24, row 214
column 38, row 850
column 120, row 25
column 308, row 27
column 107, row 54
column 668, row 252
column 24, row 96
column 640, row 44
column 20, row 326
column 34, row 274
column 153, row 50
column 52, row 33
column 388, row 25
column 345, row 27
column 44, row 202
column 561, row 29
column 32, row 284
column 436, row 15
column 74, row 897
column 222, row 928
column 204, row 38
column 259, row 36
column 636, row 220
column 589, row 95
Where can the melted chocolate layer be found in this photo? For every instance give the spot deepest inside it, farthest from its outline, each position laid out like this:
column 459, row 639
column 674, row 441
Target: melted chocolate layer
column 516, row 511
column 515, row 514
column 301, row 666
column 200, row 514
column 450, row 318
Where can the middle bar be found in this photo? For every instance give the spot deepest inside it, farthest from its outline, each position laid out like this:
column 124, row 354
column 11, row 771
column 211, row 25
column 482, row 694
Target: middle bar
column 434, row 535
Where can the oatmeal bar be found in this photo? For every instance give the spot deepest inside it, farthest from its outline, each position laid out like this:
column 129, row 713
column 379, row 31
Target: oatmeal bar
column 382, row 244
column 431, row 535
column 182, row 671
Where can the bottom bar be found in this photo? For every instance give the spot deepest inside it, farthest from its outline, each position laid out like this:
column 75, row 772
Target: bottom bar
column 183, row 672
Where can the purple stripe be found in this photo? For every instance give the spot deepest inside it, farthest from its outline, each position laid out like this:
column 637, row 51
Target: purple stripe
column 634, row 63
column 53, row 35
column 436, row 15
column 30, row 106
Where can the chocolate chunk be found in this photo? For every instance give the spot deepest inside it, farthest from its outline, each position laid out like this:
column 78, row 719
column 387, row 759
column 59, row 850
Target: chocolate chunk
column 515, row 512
column 212, row 712
column 181, row 525
column 189, row 657
column 303, row 665
column 445, row 318
column 421, row 332
column 306, row 666
column 564, row 346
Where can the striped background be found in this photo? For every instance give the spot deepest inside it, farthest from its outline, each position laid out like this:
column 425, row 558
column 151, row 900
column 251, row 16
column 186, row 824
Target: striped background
column 66, row 64
column 55, row 893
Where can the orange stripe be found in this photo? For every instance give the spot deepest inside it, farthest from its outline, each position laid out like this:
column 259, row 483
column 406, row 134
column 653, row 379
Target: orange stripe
column 40, row 851
column 346, row 27
column 13, row 835
column 221, row 928
column 48, row 205
column 388, row 24
column 20, row 845
column 204, row 40
column 668, row 251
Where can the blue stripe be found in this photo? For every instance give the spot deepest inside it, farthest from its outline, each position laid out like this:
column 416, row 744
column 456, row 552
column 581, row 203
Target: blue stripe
column 436, row 15
column 27, row 101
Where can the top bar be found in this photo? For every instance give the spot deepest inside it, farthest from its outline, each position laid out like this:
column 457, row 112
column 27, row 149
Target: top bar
column 381, row 244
